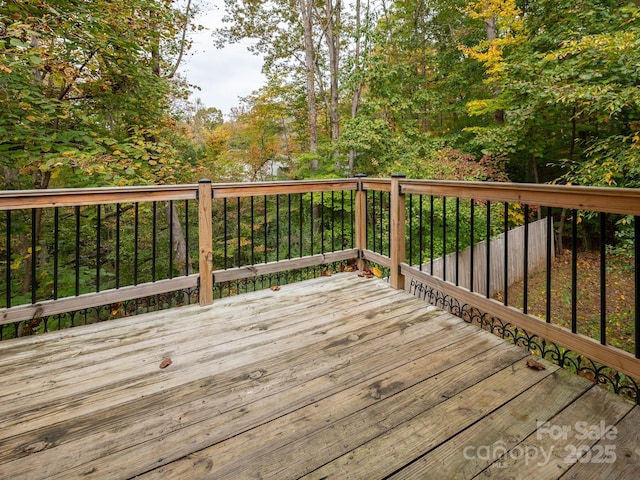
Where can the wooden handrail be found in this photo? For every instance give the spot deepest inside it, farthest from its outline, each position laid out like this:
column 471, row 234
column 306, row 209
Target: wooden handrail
column 235, row 190
column 599, row 199
column 72, row 197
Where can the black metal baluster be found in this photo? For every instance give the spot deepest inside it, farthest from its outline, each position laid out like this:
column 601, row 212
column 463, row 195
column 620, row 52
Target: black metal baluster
column 444, row 238
column 56, row 250
column 421, row 232
column 171, row 238
column 117, row 260
column 431, row 234
column 457, row 241
column 136, row 233
column 34, row 256
column 373, row 219
column 471, row 240
column 311, row 224
column 253, row 238
column 186, row 237
column 333, row 212
column 636, row 274
column 9, row 262
column 289, row 226
column 225, row 233
column 352, row 216
column 505, row 287
column 549, row 224
column 381, row 219
column 574, row 272
column 266, row 230
column 488, row 252
column 525, row 293
column 366, row 219
column 342, row 242
column 277, row 228
column 239, row 231
column 98, row 223
column 603, row 280
column 410, row 208
column 154, row 235
column 77, row 251
column 389, row 225
column 322, row 222
column 301, row 222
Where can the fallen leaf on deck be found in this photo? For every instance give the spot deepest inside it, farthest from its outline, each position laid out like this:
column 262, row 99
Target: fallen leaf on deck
column 165, row 362
column 535, row 365
column 377, row 272
column 326, row 273
column 275, row 288
column 588, row 375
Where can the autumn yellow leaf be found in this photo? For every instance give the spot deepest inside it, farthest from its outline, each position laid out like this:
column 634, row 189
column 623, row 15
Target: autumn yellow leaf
column 377, row 272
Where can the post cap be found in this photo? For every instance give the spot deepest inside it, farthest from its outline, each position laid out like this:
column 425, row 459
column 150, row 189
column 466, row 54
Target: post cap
column 204, row 180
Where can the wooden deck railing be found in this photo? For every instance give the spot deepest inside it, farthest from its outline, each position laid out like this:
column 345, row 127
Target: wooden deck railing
column 112, row 245
column 609, row 207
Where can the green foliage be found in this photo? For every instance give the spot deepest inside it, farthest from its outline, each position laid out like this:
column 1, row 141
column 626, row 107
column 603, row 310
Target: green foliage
column 568, row 89
column 83, row 92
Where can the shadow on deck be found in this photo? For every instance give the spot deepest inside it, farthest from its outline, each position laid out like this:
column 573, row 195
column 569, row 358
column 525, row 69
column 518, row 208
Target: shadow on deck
column 339, row 377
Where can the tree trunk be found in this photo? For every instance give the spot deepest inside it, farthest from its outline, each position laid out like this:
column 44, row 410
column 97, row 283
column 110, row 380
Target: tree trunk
column 492, row 33
column 357, row 90
column 306, row 11
column 179, row 245
column 333, row 47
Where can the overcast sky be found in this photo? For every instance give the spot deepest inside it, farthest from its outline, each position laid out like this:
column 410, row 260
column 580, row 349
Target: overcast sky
column 222, row 75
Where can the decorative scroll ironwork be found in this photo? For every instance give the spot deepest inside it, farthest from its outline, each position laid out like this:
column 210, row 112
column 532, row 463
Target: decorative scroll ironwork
column 262, row 282
column 163, row 301
column 100, row 313
column 585, row 367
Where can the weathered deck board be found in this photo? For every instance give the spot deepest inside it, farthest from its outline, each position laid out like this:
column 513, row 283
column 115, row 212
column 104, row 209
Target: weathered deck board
column 338, row 377
column 474, row 449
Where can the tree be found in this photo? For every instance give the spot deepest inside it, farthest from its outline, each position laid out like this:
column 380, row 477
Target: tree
column 567, row 89
column 87, row 81
column 85, row 91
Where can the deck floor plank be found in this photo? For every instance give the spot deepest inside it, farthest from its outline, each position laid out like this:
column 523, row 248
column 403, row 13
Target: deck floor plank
column 233, row 392
column 474, row 449
column 277, row 443
column 551, row 454
column 46, row 391
column 240, row 322
column 617, row 455
column 339, row 377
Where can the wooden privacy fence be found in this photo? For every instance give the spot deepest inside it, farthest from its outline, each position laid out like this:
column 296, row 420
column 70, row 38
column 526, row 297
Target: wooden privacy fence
column 512, row 266
column 242, row 231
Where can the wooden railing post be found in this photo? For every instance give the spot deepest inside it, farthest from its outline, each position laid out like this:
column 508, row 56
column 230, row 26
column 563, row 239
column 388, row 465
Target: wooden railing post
column 361, row 222
column 397, row 240
column 205, row 240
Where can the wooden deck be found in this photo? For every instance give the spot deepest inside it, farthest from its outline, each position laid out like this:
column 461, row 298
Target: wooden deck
column 338, row 377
